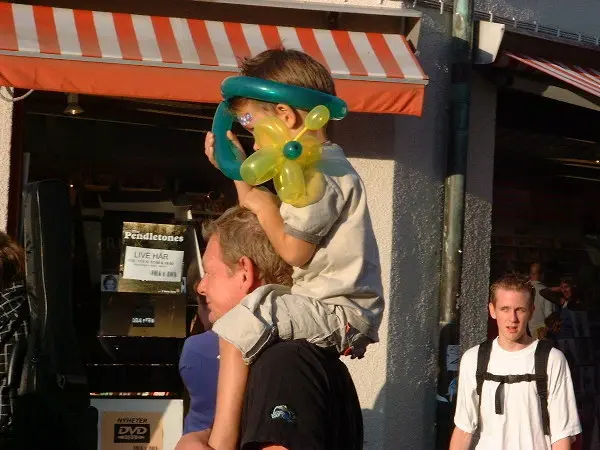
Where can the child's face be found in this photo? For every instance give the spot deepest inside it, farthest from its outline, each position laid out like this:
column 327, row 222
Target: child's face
column 248, row 114
column 252, row 111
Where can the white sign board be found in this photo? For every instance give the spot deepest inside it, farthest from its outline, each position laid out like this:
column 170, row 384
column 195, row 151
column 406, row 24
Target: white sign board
column 152, row 264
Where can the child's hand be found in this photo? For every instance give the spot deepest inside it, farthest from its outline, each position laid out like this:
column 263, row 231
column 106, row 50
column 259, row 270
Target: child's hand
column 209, row 147
column 258, row 199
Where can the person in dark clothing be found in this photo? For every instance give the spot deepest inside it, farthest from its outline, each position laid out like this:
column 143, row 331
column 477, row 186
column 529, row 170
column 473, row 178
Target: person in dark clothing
column 301, row 397
column 298, row 396
column 13, row 320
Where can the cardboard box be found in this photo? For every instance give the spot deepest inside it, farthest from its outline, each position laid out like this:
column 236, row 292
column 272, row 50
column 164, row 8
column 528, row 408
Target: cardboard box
column 138, row 424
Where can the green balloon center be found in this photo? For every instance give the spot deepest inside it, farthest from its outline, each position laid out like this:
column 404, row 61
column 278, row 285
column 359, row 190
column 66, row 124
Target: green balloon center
column 292, row 150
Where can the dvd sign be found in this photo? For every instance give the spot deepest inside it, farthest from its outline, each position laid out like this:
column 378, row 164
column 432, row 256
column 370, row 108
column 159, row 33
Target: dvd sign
column 126, row 434
column 133, row 429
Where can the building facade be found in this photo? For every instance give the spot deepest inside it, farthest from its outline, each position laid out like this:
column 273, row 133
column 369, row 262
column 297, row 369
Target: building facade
column 402, row 162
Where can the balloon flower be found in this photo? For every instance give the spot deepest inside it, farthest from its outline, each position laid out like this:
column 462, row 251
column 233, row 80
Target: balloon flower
column 292, row 162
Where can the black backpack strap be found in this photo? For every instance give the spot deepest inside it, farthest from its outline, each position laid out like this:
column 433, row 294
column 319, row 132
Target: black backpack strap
column 483, row 358
column 542, row 352
column 506, row 379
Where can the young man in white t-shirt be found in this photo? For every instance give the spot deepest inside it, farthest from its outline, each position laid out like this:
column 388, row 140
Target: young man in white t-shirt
column 519, row 424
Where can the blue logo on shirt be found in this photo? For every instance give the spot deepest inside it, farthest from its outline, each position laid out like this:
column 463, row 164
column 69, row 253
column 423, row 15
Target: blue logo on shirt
column 284, row 413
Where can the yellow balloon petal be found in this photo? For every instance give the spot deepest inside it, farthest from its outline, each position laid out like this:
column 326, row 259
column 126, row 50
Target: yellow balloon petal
column 270, row 131
column 311, row 151
column 317, row 118
column 315, row 185
column 315, row 188
column 259, row 167
column 290, row 182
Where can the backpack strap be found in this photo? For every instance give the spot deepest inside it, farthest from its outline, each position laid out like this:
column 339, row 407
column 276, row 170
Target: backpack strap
column 542, row 353
column 483, row 359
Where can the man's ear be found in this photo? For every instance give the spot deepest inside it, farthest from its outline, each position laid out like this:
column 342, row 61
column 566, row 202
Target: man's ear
column 248, row 274
column 492, row 309
column 288, row 115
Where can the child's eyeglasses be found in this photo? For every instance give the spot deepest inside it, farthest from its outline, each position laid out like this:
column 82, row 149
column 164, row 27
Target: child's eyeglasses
column 245, row 119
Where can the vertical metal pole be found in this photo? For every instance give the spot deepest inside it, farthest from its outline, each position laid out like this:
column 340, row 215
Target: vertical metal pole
column 454, row 209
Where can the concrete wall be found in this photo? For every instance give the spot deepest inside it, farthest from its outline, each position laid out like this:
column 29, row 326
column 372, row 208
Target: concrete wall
column 401, row 160
column 6, row 109
column 579, row 16
column 397, row 381
column 478, row 214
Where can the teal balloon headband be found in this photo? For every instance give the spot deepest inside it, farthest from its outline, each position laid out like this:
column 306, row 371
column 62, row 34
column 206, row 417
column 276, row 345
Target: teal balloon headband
column 269, row 91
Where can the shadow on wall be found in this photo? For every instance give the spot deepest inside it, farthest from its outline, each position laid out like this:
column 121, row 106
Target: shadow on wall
column 368, row 129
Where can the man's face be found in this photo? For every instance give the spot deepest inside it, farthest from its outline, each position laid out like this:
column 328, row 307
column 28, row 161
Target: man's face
column 222, row 286
column 567, row 290
column 512, row 311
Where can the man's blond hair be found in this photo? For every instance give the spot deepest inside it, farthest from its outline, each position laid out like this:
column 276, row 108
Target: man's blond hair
column 286, row 66
column 240, row 234
column 512, row 282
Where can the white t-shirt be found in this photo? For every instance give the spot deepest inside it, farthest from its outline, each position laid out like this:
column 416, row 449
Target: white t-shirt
column 520, row 427
column 344, row 270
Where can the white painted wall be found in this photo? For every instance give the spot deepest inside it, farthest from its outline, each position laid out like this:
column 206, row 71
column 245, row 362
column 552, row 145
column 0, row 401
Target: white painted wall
column 6, row 109
column 401, row 160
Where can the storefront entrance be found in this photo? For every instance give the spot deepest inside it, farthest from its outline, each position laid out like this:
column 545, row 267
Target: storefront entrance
column 546, row 211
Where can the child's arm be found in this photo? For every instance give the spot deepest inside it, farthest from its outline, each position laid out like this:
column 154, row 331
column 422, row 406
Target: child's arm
column 233, row 375
column 241, row 187
column 265, row 205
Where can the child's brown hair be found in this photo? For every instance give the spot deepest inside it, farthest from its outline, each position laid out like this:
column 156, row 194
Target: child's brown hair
column 12, row 261
column 286, row 66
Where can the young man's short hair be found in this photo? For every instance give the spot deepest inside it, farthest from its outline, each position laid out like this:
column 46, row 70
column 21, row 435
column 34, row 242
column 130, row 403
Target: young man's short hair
column 240, row 234
column 291, row 67
column 12, row 261
column 512, row 282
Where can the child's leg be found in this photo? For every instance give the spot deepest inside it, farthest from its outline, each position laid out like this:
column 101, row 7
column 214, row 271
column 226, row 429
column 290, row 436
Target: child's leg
column 233, row 374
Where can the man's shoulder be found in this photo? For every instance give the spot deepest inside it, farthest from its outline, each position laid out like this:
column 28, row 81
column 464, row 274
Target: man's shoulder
column 295, row 352
column 472, row 353
column 556, row 357
column 298, row 361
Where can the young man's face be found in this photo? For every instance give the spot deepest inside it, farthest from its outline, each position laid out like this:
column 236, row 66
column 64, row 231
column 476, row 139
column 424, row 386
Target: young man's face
column 512, row 311
column 222, row 286
column 567, row 290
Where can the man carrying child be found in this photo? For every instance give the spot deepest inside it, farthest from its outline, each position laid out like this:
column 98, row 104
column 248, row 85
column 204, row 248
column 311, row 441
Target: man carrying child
column 336, row 299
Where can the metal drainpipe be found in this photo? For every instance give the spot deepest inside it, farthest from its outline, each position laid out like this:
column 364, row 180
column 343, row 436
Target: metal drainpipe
column 454, row 208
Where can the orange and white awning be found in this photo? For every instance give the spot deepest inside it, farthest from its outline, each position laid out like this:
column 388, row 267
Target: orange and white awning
column 582, row 78
column 186, row 59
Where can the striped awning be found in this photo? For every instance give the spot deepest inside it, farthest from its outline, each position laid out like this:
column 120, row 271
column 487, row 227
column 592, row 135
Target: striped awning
column 132, row 55
column 582, row 78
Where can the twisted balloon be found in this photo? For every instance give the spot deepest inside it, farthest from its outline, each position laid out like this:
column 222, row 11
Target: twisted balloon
column 291, row 162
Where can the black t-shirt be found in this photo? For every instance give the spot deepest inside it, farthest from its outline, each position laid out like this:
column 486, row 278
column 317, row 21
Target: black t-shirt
column 301, row 397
